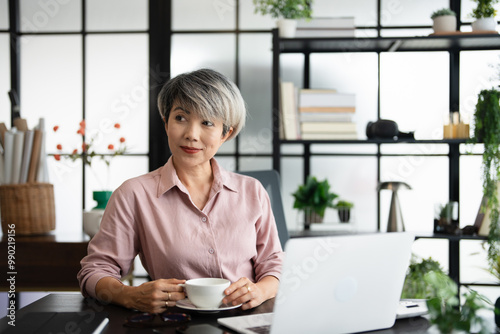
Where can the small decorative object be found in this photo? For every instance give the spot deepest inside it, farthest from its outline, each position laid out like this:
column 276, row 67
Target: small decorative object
column 446, row 218
column 286, row 11
column 92, row 218
column 444, row 20
column 344, row 210
column 313, row 198
column 487, row 131
column 395, row 222
column 484, row 13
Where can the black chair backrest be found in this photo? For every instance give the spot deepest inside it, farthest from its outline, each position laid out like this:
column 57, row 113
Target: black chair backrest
column 270, row 179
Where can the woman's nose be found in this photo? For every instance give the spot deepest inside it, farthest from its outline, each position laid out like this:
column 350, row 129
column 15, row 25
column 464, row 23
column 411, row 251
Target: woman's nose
column 192, row 131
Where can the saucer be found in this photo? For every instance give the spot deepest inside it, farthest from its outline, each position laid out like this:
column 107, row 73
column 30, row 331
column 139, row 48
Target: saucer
column 186, row 304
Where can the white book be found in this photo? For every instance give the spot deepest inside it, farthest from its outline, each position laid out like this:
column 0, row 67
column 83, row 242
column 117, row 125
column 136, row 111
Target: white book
column 329, row 136
column 327, row 22
column 325, row 117
column 326, row 33
column 9, row 154
column 28, row 144
column 328, row 127
column 289, row 112
column 17, row 157
column 42, row 172
column 326, row 99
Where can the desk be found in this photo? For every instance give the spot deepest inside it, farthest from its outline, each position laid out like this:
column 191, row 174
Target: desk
column 46, row 262
column 74, row 302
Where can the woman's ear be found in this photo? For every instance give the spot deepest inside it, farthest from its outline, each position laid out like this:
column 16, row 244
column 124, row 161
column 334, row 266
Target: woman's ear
column 228, row 134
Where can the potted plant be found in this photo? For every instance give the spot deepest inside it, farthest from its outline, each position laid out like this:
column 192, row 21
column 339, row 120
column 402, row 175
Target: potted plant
column 484, row 13
column 344, row 210
column 487, row 131
column 444, row 20
column 427, row 280
column 313, row 198
column 286, row 12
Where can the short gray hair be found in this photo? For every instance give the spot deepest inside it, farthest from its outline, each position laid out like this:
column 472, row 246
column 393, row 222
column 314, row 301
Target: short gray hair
column 207, row 93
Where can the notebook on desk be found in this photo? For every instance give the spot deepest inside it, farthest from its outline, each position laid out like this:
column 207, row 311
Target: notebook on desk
column 341, row 284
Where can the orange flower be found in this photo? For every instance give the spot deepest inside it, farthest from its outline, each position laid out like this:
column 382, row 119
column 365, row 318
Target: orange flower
column 117, row 125
column 75, row 151
column 56, row 127
column 111, row 147
column 59, row 147
column 57, row 157
column 122, row 140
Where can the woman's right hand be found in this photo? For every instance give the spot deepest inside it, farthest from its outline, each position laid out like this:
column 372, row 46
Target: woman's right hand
column 156, row 296
column 153, row 297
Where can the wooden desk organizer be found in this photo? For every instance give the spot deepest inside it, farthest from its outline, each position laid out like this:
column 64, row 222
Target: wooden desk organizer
column 29, row 206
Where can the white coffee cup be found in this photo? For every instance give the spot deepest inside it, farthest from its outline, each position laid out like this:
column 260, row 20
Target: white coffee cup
column 206, row 292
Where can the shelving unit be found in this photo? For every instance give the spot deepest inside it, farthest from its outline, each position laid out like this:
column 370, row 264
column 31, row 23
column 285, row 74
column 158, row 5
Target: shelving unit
column 452, row 44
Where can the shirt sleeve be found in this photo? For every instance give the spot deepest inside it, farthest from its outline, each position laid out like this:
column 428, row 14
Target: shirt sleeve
column 269, row 259
column 112, row 250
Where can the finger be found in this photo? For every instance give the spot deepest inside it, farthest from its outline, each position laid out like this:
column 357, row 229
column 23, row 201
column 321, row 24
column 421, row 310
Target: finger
column 236, row 285
column 174, row 296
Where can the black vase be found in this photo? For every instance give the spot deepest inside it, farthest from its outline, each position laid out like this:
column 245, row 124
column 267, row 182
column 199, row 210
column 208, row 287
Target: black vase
column 344, row 215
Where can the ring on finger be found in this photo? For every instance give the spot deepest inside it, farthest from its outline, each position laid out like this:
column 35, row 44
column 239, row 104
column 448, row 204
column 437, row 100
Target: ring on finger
column 169, row 298
column 248, row 287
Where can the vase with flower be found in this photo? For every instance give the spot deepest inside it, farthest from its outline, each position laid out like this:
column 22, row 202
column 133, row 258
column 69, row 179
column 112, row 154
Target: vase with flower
column 87, row 153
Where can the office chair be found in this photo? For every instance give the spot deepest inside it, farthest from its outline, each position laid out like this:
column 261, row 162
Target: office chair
column 270, row 179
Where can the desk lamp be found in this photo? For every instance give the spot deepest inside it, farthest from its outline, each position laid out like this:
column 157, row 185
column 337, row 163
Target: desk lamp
column 395, row 223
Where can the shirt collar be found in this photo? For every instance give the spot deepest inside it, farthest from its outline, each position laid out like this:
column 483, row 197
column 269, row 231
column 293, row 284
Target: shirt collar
column 169, row 178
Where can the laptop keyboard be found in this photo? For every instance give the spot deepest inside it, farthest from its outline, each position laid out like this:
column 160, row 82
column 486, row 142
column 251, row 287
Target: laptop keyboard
column 261, row 329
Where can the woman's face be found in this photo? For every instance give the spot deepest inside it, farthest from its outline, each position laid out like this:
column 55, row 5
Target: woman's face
column 193, row 141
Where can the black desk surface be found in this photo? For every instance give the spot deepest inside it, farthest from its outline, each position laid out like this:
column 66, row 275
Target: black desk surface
column 74, row 302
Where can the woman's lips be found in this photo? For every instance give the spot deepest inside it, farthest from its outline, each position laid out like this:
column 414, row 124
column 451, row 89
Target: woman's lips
column 190, row 150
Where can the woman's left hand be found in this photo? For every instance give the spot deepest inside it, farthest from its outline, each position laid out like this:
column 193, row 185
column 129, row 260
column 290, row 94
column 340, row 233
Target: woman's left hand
column 250, row 294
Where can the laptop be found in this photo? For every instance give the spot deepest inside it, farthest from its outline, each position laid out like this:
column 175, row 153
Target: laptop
column 338, row 284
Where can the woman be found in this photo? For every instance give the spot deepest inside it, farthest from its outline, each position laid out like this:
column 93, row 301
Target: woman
column 190, row 218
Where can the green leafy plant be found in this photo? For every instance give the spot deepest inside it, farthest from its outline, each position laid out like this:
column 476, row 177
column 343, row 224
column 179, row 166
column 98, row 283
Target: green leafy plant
column 342, row 204
column 445, row 310
column 415, row 287
column 427, row 280
column 287, row 9
column 487, row 131
column 442, row 12
column 314, row 195
column 484, row 9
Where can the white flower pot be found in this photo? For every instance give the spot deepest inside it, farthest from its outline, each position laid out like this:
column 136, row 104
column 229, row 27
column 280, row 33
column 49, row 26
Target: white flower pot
column 484, row 24
column 287, row 28
column 446, row 23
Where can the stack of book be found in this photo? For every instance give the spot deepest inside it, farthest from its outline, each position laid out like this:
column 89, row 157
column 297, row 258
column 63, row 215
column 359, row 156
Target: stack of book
column 22, row 153
column 326, row 27
column 326, row 114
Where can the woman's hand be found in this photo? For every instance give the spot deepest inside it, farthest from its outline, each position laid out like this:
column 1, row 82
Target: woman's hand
column 153, row 297
column 251, row 294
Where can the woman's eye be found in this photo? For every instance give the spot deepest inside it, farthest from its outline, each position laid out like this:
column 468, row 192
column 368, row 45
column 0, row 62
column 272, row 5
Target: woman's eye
column 179, row 118
column 208, row 123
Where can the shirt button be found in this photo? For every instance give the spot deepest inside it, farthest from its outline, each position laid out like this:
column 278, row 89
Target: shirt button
column 203, row 219
column 211, row 251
